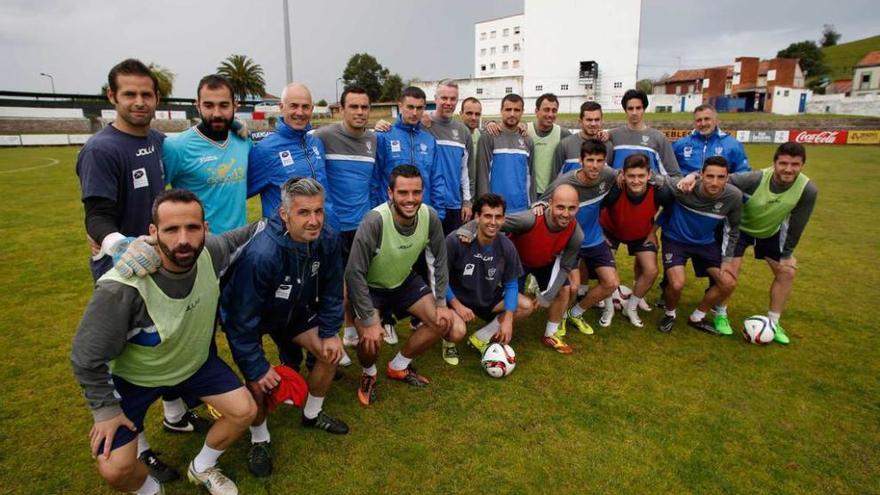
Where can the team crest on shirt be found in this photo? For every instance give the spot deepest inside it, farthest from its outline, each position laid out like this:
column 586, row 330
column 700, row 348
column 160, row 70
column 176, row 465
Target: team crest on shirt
column 455, row 133
column 719, row 150
column 315, row 267
column 718, row 206
column 490, row 273
column 286, row 158
column 395, row 146
column 521, row 142
column 645, row 139
column 370, row 146
column 423, row 147
column 601, row 187
column 688, row 151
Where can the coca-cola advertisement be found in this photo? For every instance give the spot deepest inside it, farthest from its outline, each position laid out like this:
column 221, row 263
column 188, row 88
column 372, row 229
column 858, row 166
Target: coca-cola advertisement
column 817, row 137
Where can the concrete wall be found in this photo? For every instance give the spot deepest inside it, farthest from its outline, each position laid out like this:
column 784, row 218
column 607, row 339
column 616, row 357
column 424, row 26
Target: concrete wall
column 786, row 101
column 46, row 126
column 840, row 104
column 673, row 102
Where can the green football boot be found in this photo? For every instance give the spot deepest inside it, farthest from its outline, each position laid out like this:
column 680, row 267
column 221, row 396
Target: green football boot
column 779, row 335
column 579, row 323
column 722, row 325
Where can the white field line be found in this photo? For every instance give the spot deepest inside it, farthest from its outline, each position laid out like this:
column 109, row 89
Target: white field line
column 52, row 163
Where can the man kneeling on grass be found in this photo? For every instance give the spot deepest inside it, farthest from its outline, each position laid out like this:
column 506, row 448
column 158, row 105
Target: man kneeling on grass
column 157, row 334
column 484, row 276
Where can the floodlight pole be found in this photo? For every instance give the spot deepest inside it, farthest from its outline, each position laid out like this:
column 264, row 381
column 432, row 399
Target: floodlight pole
column 51, row 80
column 336, row 87
column 287, row 52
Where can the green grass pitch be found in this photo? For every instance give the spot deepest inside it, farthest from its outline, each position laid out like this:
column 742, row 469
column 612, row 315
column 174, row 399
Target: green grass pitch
column 632, row 411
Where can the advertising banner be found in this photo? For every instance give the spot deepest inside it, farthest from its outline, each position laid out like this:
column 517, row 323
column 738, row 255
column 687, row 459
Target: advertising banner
column 863, row 137
column 817, row 137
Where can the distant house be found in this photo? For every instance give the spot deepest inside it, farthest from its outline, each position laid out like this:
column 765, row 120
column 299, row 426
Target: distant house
column 866, row 75
column 839, row 87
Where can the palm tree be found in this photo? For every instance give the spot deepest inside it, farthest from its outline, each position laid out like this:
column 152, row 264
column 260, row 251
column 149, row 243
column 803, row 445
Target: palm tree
column 165, row 78
column 245, row 75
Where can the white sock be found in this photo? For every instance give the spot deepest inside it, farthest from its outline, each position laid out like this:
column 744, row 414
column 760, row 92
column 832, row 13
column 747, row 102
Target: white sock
column 697, row 315
column 150, row 487
column 350, row 332
column 487, row 332
column 551, row 328
column 670, row 312
column 721, row 310
column 207, row 458
column 313, row 406
column 143, row 444
column 371, row 371
column 609, row 303
column 633, row 303
column 774, row 317
column 260, row 433
column 399, row 362
column 576, row 310
column 174, row 410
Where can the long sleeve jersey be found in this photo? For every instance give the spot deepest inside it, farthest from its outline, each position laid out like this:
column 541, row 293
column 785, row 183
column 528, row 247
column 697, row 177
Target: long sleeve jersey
column 590, row 198
column 406, row 144
column 692, row 150
column 455, row 161
column 350, row 163
column 568, row 154
column 648, row 141
column 693, row 218
column 505, row 167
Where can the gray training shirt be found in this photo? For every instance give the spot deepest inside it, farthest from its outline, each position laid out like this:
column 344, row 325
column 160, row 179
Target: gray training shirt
column 116, row 309
column 366, row 243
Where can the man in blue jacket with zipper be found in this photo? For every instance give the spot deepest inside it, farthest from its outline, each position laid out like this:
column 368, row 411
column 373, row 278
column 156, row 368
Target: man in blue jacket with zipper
column 707, row 140
column 291, row 151
column 407, row 143
column 288, row 284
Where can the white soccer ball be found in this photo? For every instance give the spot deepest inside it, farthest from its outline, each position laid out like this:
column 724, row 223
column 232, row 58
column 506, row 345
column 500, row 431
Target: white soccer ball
column 620, row 296
column 499, row 360
column 758, row 329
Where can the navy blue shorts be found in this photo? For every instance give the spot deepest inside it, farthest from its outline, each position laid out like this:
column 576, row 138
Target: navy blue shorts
column 770, row 247
column 632, row 247
column 542, row 276
column 289, row 352
column 486, row 313
column 213, row 378
column 452, row 220
column 703, row 256
column 100, row 266
column 396, row 301
column 597, row 256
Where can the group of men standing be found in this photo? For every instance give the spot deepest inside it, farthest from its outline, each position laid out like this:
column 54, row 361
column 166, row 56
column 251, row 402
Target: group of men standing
column 361, row 227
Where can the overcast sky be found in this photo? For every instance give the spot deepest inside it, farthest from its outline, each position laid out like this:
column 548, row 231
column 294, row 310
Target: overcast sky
column 78, row 42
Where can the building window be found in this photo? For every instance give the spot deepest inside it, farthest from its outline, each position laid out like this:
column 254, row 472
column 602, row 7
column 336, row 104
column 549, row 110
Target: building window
column 690, row 88
column 492, row 66
column 786, row 93
column 618, row 85
column 504, row 64
column 479, row 91
column 515, row 29
column 483, row 35
column 516, row 64
column 482, row 52
column 483, row 68
column 506, row 32
column 563, row 87
column 588, row 86
column 677, row 88
column 516, row 47
column 505, row 48
column 865, row 83
column 539, row 87
column 508, row 90
column 492, row 34
column 492, row 51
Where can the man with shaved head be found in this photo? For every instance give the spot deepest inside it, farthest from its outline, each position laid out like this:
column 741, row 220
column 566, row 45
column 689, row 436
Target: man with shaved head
column 548, row 246
column 292, row 151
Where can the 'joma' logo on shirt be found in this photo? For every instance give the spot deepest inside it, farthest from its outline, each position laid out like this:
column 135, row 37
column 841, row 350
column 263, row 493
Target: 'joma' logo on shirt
column 405, row 246
column 145, row 151
column 193, row 304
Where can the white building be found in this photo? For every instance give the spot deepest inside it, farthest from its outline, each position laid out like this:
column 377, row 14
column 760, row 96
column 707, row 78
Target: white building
column 579, row 50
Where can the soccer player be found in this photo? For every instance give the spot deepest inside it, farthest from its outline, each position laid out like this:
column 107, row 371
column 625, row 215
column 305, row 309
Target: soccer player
column 455, row 157
column 568, row 153
column 380, row 276
column 547, row 244
column 505, row 161
column 407, row 143
column 637, row 137
column 120, row 172
column 627, row 217
column 546, row 136
column 780, row 200
column 592, row 182
column 350, row 162
column 211, row 161
column 689, row 233
column 292, row 150
column 484, row 274
column 471, row 111
column 288, row 284
column 706, row 140
column 142, row 337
